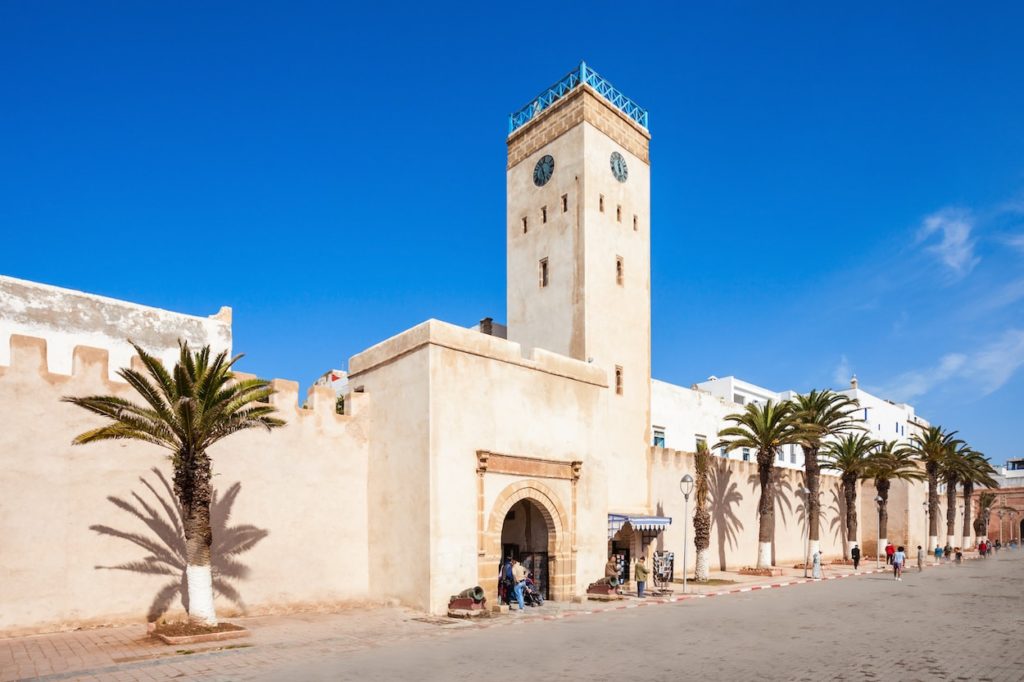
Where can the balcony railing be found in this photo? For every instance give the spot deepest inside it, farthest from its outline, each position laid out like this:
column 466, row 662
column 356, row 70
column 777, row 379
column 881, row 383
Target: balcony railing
column 581, row 74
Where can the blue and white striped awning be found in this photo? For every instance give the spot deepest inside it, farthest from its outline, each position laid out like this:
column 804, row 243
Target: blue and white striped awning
column 655, row 523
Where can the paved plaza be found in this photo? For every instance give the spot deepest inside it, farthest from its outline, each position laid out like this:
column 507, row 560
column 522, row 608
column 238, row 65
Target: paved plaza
column 949, row 623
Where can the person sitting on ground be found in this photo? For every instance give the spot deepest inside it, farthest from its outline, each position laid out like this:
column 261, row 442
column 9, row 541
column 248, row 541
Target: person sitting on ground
column 611, row 570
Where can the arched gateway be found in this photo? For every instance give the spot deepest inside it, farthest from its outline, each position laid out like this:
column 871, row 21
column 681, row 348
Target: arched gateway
column 514, row 518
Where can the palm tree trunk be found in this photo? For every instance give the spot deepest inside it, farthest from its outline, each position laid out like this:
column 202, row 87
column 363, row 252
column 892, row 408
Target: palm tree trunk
column 950, row 512
column 882, row 486
column 812, row 474
column 765, row 509
column 968, row 493
column 933, row 505
column 194, row 490
column 701, row 540
column 850, row 493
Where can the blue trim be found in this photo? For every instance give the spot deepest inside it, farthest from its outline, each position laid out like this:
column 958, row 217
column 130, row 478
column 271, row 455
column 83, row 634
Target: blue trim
column 565, row 85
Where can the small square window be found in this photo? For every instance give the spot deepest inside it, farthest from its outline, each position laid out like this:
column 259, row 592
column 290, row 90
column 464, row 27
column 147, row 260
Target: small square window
column 600, row 203
column 620, row 268
column 746, row 454
column 565, row 203
column 543, row 214
column 543, row 272
column 659, row 437
column 618, row 213
column 618, row 379
column 781, row 455
column 524, row 224
column 636, row 223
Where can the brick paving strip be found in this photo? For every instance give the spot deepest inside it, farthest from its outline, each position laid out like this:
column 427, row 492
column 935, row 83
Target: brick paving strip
column 128, row 653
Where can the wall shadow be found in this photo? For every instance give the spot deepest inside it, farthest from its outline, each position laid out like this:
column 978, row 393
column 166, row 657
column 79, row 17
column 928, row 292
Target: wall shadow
column 723, row 497
column 165, row 542
column 838, row 526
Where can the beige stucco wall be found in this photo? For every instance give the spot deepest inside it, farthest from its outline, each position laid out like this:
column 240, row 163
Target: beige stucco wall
column 302, row 493
column 733, row 500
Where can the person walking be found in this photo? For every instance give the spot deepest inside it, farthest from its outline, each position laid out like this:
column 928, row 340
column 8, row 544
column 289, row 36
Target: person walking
column 816, row 565
column 519, row 578
column 889, row 551
column 641, row 573
column 948, row 552
column 938, row 555
column 920, row 558
column 898, row 559
column 855, row 555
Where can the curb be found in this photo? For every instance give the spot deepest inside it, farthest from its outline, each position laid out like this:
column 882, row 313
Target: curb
column 707, row 595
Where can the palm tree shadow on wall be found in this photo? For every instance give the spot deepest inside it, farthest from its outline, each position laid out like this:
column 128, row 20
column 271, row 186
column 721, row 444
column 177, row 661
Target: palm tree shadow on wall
column 165, row 543
column 723, row 496
column 783, row 503
column 838, row 525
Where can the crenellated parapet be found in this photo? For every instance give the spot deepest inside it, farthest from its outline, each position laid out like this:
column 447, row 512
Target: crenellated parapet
column 90, row 375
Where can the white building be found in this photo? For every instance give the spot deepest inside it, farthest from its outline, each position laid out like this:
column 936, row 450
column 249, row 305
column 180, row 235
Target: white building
column 682, row 416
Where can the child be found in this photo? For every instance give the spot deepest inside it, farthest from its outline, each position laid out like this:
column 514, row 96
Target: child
column 898, row 559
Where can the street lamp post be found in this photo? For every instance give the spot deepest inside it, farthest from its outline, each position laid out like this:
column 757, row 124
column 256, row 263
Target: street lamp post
column 807, row 525
column 878, row 531
column 686, row 487
column 1000, row 526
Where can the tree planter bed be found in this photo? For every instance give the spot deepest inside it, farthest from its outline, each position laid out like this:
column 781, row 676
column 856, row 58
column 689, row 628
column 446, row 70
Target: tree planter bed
column 766, row 572
column 186, row 633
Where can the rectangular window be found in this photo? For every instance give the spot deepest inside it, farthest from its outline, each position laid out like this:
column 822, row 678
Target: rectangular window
column 738, row 399
column 620, row 270
column 543, row 214
column 524, row 225
column 543, row 272
column 659, row 437
column 746, row 454
column 618, row 213
column 636, row 223
column 792, row 454
column 781, row 455
column 618, row 379
column 600, row 203
column 565, row 203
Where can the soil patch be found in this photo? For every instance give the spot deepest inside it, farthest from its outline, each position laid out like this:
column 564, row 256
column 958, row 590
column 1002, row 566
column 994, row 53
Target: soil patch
column 189, row 633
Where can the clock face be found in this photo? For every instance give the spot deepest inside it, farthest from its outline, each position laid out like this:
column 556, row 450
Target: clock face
column 619, row 169
column 543, row 170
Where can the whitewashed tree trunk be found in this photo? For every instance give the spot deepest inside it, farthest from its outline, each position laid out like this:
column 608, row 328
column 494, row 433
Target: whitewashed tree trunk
column 933, row 542
column 950, row 540
column 200, row 595
column 764, row 555
column 815, row 547
column 701, row 569
column 966, row 544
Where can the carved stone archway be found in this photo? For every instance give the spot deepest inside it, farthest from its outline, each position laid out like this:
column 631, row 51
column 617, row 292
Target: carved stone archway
column 560, row 526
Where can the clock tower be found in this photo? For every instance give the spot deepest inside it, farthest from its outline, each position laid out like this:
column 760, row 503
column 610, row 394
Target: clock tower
column 578, row 235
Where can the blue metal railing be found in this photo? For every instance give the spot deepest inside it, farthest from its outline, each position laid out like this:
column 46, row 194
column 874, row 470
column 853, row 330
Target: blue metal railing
column 581, row 74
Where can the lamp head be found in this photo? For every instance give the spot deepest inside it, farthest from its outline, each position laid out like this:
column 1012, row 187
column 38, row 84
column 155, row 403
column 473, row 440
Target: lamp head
column 686, row 485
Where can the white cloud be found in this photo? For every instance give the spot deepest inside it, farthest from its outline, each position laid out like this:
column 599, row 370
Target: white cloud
column 1016, row 241
column 948, row 233
column 986, row 370
column 842, row 373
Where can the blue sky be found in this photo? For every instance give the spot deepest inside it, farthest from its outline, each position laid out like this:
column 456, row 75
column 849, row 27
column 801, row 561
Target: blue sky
column 834, row 189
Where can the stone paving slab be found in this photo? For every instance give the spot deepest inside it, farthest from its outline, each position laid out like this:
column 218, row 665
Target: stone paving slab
column 127, row 652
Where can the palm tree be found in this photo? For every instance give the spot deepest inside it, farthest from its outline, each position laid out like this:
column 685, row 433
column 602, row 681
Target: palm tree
column 849, row 457
column 821, row 415
column 953, row 469
column 978, row 472
column 701, row 514
column 764, row 428
column 186, row 411
column 890, row 462
column 985, row 503
column 931, row 447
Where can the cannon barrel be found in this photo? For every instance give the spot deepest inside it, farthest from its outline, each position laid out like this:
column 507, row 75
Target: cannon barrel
column 610, row 580
column 474, row 593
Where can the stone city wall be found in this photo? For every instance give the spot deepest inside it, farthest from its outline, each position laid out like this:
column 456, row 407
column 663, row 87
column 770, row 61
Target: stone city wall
column 90, row 533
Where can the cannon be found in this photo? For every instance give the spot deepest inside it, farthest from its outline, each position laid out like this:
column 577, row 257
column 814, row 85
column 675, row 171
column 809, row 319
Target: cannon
column 471, row 598
column 604, row 586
